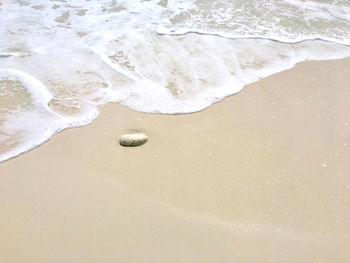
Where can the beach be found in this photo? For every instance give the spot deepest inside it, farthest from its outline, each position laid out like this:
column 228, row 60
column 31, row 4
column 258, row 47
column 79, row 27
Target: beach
column 262, row 176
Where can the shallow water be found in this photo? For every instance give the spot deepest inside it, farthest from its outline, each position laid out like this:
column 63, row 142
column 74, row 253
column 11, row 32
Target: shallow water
column 59, row 60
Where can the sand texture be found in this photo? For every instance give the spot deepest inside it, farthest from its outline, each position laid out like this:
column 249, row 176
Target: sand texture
column 263, row 176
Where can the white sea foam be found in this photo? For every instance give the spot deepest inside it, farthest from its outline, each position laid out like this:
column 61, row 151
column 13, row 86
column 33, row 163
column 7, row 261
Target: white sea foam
column 59, row 60
column 27, row 121
column 288, row 21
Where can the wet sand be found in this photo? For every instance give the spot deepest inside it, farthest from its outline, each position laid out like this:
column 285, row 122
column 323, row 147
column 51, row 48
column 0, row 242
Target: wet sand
column 263, row 176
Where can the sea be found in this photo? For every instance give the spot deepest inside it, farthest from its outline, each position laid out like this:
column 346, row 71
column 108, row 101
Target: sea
column 61, row 59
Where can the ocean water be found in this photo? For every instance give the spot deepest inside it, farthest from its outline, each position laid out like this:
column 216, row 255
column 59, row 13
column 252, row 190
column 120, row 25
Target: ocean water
column 60, row 59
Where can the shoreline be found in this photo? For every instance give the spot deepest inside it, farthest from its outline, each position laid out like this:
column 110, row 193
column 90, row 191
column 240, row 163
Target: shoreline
column 264, row 170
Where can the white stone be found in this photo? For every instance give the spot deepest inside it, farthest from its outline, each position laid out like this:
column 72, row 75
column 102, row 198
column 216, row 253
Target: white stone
column 133, row 139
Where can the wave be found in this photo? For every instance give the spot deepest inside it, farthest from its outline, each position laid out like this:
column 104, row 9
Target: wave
column 59, row 61
column 162, row 30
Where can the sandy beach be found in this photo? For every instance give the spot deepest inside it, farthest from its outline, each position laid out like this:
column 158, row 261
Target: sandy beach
column 263, row 176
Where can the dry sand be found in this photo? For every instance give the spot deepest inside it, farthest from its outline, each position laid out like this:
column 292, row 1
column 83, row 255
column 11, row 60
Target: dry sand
column 263, row 176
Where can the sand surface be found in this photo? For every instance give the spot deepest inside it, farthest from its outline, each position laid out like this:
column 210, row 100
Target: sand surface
column 263, row 176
